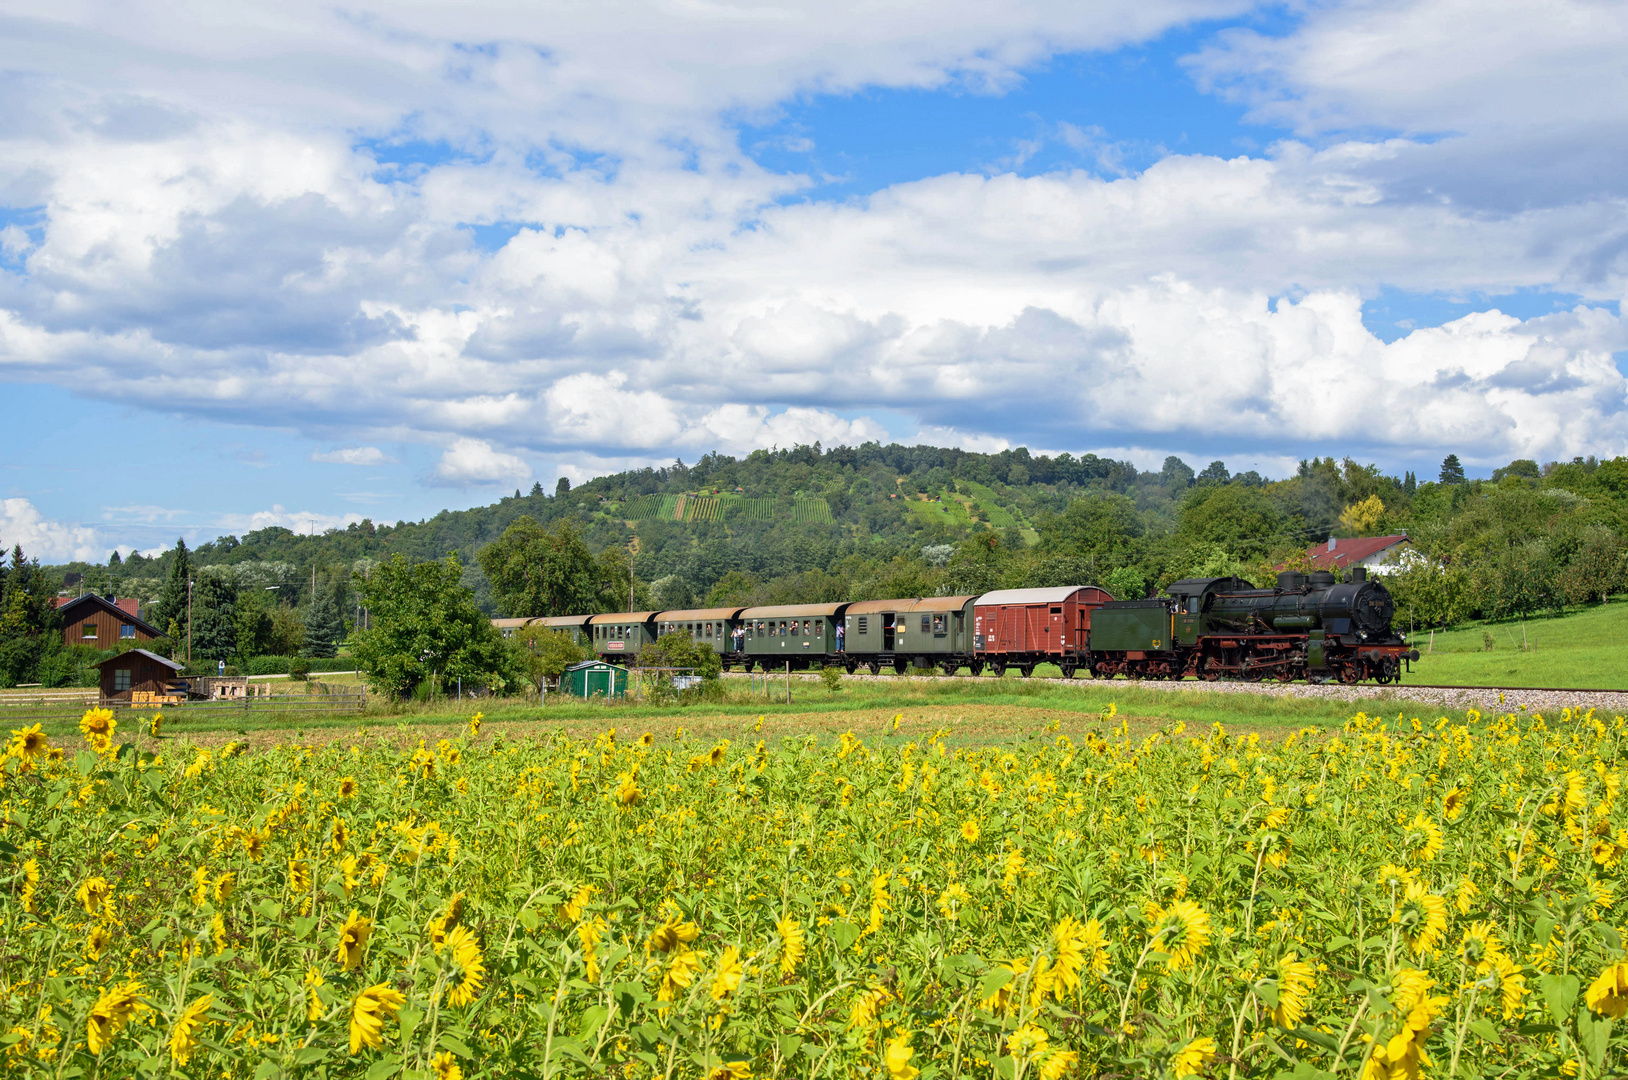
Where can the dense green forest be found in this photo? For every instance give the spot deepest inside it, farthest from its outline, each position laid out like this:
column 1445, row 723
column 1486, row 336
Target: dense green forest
column 811, row 524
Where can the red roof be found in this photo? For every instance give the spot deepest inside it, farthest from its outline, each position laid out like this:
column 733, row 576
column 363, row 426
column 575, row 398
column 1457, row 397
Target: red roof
column 130, row 605
column 1353, row 550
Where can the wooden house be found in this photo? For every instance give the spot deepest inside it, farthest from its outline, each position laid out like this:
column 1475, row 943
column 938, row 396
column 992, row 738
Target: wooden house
column 140, row 678
column 103, row 622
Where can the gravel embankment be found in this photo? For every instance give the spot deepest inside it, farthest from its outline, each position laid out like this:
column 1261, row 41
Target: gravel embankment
column 1544, row 701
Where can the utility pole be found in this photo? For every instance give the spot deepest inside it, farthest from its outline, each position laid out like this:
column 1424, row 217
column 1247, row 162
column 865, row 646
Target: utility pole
column 189, row 620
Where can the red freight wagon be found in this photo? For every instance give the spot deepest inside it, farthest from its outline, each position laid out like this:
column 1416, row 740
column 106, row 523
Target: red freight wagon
column 1023, row 627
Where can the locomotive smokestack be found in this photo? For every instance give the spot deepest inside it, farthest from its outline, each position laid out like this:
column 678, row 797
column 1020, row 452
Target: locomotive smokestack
column 1359, row 574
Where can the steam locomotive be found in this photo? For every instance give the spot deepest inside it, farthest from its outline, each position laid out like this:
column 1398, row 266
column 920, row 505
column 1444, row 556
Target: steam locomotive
column 1307, row 627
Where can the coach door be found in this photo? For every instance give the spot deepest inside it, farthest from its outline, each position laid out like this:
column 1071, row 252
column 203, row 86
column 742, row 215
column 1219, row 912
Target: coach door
column 887, row 631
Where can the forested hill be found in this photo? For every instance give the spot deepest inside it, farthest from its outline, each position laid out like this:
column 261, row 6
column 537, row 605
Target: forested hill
column 849, row 522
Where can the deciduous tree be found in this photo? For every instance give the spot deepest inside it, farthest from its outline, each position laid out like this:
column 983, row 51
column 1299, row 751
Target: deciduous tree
column 425, row 626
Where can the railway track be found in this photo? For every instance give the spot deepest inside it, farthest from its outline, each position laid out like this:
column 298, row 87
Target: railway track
column 1543, row 698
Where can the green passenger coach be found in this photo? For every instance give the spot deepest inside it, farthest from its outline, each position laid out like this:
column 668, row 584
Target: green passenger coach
column 803, row 634
column 712, row 627
column 931, row 631
column 623, row 635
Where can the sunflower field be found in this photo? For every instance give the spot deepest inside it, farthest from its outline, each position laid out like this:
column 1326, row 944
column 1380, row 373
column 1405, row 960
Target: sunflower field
column 1399, row 898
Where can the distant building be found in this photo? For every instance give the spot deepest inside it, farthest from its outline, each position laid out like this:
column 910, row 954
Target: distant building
column 141, row 678
column 1373, row 552
column 103, row 622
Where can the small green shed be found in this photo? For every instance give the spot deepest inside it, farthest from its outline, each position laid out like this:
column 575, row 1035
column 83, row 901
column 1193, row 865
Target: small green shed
column 594, row 678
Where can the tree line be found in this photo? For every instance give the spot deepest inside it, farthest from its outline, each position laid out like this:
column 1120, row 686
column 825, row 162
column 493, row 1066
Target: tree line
column 904, row 521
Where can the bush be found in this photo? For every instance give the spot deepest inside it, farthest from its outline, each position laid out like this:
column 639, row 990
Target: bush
column 299, row 669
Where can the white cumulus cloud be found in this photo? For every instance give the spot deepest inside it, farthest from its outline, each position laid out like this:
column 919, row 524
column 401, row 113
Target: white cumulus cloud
column 220, row 225
column 474, row 462
column 47, row 540
column 299, row 521
column 354, row 455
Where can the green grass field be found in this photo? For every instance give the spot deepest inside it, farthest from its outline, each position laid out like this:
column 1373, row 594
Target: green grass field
column 1586, row 649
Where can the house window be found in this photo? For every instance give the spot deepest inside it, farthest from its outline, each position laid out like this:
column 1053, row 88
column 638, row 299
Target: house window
column 126, row 630
column 121, row 679
column 89, row 632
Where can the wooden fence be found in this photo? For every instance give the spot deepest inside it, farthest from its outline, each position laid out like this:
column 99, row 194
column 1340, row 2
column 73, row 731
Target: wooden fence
column 86, row 696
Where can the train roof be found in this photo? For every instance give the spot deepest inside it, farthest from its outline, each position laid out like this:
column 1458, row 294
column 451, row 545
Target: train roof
column 918, row 603
column 1036, row 596
column 541, row 620
column 790, row 611
column 624, row 617
column 699, row 614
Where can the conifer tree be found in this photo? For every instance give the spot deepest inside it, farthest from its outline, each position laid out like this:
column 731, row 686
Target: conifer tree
column 172, row 600
column 323, row 627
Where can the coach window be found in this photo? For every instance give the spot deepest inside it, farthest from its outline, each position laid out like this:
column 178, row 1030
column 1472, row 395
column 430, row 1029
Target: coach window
column 938, row 625
column 805, row 627
column 709, row 631
column 819, row 627
column 926, row 621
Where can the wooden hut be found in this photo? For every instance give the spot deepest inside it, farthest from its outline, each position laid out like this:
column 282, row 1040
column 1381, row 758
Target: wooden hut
column 141, row 678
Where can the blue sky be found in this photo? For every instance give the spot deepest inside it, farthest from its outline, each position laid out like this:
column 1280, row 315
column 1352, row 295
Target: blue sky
column 381, row 265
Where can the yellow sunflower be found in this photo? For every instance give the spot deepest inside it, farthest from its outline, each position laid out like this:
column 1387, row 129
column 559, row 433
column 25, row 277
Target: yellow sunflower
column 897, row 1058
column 1191, row 1059
column 793, row 945
column 353, row 937
column 368, row 1013
column 1422, row 917
column 1608, row 995
column 1181, row 930
column 727, row 979
column 463, row 950
column 184, row 1032
column 113, row 1009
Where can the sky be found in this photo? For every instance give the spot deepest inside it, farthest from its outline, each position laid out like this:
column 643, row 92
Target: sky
column 299, row 264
